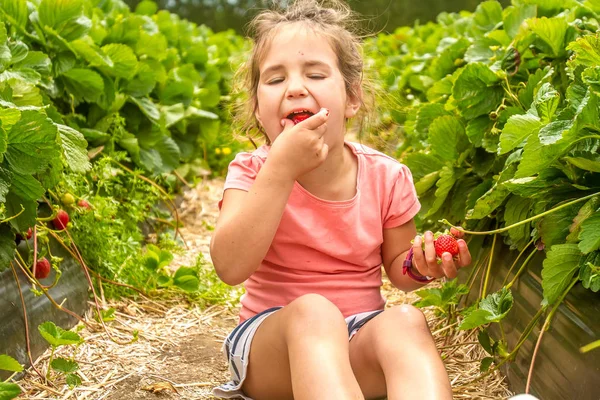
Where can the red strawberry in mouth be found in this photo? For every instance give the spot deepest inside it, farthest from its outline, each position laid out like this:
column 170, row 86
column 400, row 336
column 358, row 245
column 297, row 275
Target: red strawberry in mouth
column 299, row 116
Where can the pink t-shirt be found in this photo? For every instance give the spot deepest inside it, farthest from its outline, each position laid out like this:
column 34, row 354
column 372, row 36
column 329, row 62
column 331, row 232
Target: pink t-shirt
column 332, row 248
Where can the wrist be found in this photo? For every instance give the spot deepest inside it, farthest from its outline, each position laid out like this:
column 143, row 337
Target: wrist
column 409, row 269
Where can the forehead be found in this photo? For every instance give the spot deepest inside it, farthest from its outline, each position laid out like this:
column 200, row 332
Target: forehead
column 298, row 43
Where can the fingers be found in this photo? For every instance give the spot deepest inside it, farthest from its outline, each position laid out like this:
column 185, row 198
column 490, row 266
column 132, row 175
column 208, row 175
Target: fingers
column 316, row 120
column 463, row 253
column 450, row 269
column 427, row 263
column 430, row 255
column 457, row 233
column 287, row 124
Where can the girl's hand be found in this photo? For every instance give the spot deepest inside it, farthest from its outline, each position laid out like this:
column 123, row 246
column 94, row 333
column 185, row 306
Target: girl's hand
column 426, row 261
column 300, row 148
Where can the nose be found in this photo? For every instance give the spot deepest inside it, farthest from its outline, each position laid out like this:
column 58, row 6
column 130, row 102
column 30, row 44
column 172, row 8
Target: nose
column 296, row 88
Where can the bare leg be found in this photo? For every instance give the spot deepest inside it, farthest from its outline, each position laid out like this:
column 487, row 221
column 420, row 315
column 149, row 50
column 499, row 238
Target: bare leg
column 394, row 354
column 302, row 352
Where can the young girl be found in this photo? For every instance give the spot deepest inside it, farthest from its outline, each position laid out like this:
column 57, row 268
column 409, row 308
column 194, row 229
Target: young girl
column 307, row 221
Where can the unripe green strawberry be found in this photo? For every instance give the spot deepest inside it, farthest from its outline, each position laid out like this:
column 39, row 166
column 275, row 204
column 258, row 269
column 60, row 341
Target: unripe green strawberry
column 446, row 244
column 42, row 268
column 61, row 220
column 67, row 199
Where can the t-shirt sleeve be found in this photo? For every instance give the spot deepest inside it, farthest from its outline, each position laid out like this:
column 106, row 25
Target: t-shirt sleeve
column 242, row 172
column 403, row 201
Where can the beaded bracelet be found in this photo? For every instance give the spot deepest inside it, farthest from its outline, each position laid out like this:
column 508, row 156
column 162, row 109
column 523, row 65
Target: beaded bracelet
column 407, row 269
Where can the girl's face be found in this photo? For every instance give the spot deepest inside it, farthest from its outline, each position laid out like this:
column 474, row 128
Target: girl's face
column 300, row 72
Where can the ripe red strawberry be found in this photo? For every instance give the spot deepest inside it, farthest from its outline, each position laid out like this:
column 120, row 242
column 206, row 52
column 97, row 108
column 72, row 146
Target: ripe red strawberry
column 83, row 204
column 299, row 117
column 42, row 268
column 61, row 220
column 29, row 233
column 446, row 243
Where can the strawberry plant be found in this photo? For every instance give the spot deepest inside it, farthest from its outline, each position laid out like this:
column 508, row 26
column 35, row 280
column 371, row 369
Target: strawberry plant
column 496, row 114
column 9, row 390
column 57, row 337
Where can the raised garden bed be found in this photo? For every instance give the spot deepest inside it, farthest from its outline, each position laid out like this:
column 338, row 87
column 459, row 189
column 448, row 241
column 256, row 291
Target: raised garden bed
column 561, row 371
column 70, row 292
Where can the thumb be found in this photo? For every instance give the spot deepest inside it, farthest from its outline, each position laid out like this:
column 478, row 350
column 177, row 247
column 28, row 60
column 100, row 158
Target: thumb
column 286, row 124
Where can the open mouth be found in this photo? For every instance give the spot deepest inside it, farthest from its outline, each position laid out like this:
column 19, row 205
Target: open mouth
column 299, row 116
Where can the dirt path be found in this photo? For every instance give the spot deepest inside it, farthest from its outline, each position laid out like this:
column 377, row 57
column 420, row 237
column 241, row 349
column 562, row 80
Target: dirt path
column 178, row 352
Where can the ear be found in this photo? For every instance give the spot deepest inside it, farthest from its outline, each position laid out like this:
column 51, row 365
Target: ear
column 353, row 102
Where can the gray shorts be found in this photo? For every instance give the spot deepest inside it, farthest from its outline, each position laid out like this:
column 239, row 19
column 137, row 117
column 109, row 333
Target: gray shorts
column 236, row 349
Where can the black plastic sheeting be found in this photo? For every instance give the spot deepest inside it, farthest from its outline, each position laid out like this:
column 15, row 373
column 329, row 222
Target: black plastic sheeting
column 561, row 371
column 71, row 292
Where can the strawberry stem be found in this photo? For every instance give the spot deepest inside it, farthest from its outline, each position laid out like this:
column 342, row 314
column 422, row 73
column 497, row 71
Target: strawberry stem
column 489, row 269
column 506, row 228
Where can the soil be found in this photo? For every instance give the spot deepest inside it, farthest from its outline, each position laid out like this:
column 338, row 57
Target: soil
column 195, row 361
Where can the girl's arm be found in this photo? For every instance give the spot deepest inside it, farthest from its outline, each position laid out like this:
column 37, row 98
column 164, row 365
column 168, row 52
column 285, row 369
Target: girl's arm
column 396, row 243
column 249, row 220
column 247, row 224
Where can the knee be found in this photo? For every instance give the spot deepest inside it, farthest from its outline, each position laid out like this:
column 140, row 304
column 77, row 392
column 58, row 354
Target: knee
column 313, row 313
column 404, row 321
column 410, row 317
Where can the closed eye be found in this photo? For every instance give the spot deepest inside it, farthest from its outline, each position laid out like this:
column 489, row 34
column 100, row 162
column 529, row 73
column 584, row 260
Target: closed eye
column 274, row 81
column 316, row 76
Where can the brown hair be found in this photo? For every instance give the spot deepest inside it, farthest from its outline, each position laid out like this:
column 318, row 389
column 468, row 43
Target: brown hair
column 331, row 18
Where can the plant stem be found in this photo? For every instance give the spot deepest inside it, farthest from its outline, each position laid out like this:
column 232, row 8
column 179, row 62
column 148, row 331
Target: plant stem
column 506, row 228
column 489, row 268
column 163, row 192
column 515, row 262
column 513, row 353
column 502, row 331
column 25, row 321
column 545, row 328
column 14, row 216
column 514, row 279
column 50, row 362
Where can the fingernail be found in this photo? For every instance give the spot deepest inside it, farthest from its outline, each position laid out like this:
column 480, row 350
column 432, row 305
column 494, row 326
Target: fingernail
column 326, row 111
column 418, row 241
column 282, row 122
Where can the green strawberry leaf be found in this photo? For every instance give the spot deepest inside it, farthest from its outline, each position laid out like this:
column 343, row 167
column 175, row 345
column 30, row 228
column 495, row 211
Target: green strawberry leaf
column 552, row 31
column 85, row 84
column 8, row 363
column 32, row 143
column 516, row 130
column 491, row 309
column 445, row 134
column 514, row 16
column 590, row 234
column 561, row 263
column 477, row 91
column 587, row 51
column 57, row 336
column 590, row 272
column 186, row 278
column 73, row 380
column 7, row 246
column 74, row 148
column 516, row 210
column 587, row 210
column 441, row 297
column 9, row 391
column 63, row 365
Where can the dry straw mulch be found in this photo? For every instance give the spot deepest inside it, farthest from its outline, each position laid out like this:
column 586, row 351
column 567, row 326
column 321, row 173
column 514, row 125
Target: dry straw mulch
column 178, row 354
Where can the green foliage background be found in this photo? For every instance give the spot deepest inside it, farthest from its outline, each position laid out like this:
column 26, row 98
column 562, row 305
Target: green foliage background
column 496, row 114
